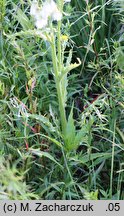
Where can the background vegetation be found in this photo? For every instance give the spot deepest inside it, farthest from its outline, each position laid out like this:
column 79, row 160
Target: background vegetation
column 35, row 163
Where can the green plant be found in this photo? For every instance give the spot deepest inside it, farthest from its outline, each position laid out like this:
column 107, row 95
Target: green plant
column 61, row 126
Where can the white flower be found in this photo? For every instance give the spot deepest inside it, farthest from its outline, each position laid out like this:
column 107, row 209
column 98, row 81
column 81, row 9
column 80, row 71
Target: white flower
column 56, row 15
column 67, row 1
column 41, row 23
column 34, row 8
column 48, row 8
column 49, row 11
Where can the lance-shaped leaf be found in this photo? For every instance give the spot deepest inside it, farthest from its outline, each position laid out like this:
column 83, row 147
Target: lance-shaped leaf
column 27, row 33
column 73, row 138
column 69, row 67
column 53, row 140
column 70, row 132
column 43, row 120
column 84, row 159
column 21, row 17
column 44, row 154
column 64, row 84
column 68, row 62
column 81, row 136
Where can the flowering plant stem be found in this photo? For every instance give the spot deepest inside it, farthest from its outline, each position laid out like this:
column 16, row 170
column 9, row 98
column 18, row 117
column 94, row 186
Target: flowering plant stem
column 57, row 64
column 57, row 67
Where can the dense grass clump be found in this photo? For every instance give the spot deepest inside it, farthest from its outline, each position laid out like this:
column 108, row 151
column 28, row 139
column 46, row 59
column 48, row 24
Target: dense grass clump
column 62, row 99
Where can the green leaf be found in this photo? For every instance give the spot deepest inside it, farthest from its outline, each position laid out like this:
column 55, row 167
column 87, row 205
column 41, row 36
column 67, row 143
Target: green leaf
column 42, row 119
column 22, row 18
column 81, row 136
column 52, row 185
column 26, row 33
column 120, row 57
column 93, row 195
column 64, row 84
column 44, row 154
column 68, row 62
column 85, row 158
column 70, row 132
column 73, row 139
column 120, row 61
column 69, row 67
column 53, row 140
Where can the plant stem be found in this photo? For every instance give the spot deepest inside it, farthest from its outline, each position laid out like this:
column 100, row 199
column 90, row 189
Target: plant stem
column 112, row 161
column 69, row 173
column 59, row 46
column 119, row 183
column 58, row 83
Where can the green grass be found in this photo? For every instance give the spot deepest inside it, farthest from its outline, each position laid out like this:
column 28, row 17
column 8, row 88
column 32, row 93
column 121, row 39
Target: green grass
column 62, row 120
